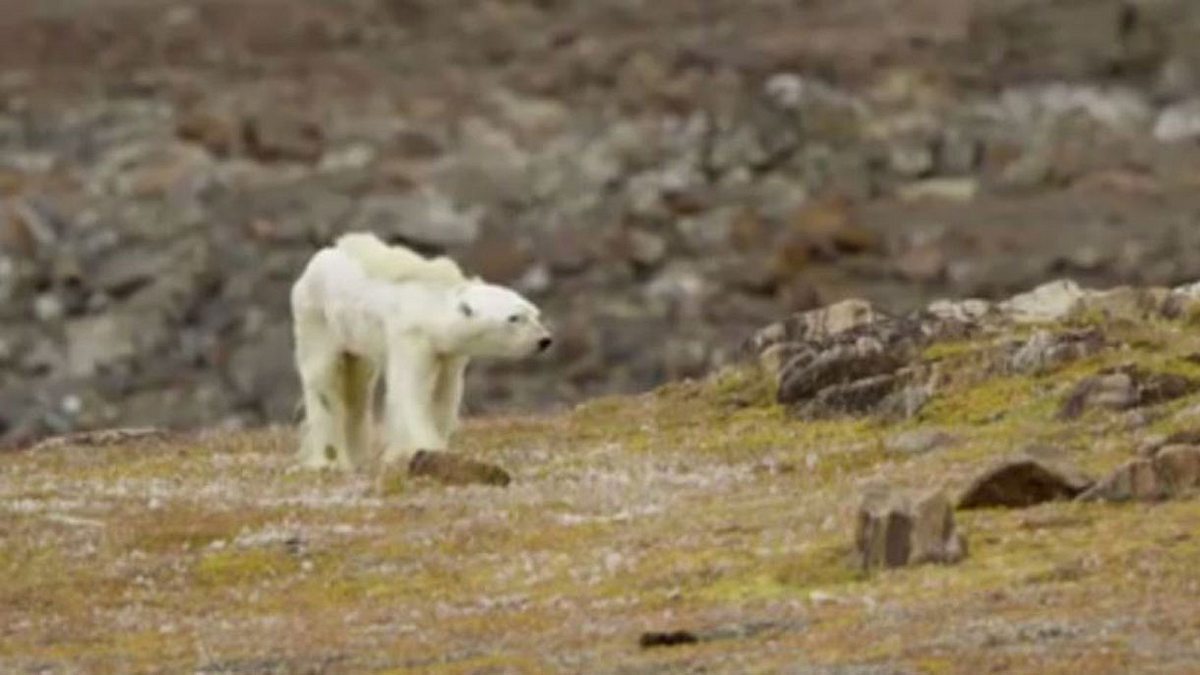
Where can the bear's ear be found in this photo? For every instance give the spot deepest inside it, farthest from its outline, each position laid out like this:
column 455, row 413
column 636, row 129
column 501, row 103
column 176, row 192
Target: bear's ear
column 465, row 309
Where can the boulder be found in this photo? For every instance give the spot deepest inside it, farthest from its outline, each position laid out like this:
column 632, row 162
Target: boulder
column 1172, row 471
column 1123, row 388
column 1022, row 481
column 896, row 529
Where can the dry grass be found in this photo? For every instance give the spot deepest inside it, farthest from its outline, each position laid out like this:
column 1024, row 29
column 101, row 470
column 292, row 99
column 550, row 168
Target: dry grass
column 699, row 507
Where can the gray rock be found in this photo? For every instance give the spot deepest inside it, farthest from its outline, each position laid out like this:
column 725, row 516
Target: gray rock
column 1045, row 351
column 940, row 189
column 895, row 530
column 1023, row 481
column 98, row 341
column 1178, row 122
column 911, row 158
column 1053, row 301
column 488, row 167
column 421, row 217
column 278, row 134
column 1124, row 388
column 262, row 371
column 48, row 307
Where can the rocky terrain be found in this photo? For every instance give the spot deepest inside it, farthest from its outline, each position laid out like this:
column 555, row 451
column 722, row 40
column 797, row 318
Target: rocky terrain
column 983, row 487
column 664, row 177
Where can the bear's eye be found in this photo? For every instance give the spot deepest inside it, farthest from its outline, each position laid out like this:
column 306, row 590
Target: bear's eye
column 515, row 318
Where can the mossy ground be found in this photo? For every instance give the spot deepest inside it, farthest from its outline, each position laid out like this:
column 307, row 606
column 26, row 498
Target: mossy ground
column 700, row 506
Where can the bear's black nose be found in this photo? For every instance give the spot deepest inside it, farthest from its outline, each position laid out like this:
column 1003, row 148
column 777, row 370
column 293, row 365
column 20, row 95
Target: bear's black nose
column 544, row 344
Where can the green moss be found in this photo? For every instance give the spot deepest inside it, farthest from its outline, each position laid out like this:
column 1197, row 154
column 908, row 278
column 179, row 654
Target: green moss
column 993, row 400
column 234, row 567
column 953, row 350
column 828, row 565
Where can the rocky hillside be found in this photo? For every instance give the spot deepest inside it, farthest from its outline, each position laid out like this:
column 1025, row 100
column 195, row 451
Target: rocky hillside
column 664, row 177
column 971, row 487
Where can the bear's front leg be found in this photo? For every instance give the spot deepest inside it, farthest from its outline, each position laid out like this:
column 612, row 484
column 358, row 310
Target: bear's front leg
column 411, row 381
column 447, row 396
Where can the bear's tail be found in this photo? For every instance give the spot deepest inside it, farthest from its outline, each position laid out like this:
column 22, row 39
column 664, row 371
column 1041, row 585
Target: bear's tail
column 396, row 263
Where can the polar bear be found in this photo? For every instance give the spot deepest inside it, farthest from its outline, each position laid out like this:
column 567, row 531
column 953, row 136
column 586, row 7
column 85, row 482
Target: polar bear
column 363, row 309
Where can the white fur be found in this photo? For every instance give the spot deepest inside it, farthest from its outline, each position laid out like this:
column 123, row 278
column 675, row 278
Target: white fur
column 365, row 310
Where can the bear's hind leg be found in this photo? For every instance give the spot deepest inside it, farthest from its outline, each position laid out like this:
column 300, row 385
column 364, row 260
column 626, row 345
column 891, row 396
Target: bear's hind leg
column 359, row 377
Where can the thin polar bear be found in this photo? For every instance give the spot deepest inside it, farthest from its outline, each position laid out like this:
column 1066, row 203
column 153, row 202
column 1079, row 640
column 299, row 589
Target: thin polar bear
column 364, row 310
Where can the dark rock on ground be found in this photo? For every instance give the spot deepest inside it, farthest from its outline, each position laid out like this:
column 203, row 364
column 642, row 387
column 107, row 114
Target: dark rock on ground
column 675, row 638
column 1023, row 481
column 849, row 358
column 449, row 468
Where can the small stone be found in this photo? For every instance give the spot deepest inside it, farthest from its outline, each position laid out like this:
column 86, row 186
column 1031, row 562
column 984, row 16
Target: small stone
column 353, row 157
column 452, row 469
column 278, row 135
column 960, row 190
column 215, row 132
column 651, row 639
column 48, row 307
column 646, row 248
column 896, row 530
column 1179, row 122
column 911, row 159
column 1023, row 481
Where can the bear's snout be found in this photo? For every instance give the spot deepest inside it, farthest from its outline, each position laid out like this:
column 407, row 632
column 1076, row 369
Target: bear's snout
column 544, row 343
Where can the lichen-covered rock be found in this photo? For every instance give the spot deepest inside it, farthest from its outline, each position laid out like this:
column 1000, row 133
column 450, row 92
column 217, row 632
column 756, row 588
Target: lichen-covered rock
column 1045, row 350
column 1124, row 388
column 1023, row 481
column 849, row 358
column 1171, row 471
column 894, row 529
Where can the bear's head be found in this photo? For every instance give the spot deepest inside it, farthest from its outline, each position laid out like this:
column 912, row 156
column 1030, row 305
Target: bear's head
column 495, row 321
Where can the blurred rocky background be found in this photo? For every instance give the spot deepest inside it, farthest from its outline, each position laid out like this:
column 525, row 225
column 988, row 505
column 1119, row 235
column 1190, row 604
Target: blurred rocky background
column 664, row 177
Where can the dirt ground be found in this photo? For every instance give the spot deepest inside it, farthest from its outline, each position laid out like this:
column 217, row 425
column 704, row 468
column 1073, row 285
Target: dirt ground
column 697, row 508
